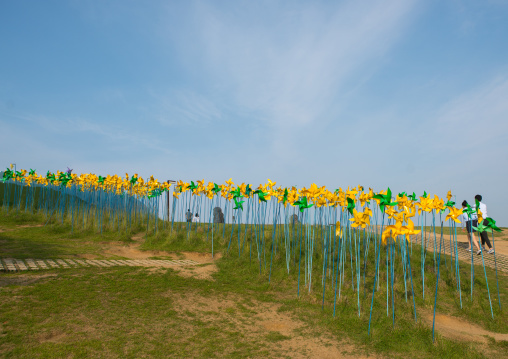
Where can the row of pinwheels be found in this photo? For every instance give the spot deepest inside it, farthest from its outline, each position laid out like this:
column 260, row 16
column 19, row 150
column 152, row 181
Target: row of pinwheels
column 401, row 209
column 135, row 185
column 360, row 219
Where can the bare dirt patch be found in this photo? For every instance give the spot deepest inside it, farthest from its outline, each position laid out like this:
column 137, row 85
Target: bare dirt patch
column 132, row 252
column 456, row 328
column 86, row 256
column 23, row 279
column 204, row 271
column 51, row 337
column 199, row 272
column 29, row 225
column 263, row 322
column 202, row 257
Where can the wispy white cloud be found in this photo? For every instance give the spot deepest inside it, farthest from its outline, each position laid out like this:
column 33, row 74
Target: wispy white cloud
column 466, row 145
column 285, row 67
column 183, row 107
column 293, row 66
column 77, row 127
column 477, row 117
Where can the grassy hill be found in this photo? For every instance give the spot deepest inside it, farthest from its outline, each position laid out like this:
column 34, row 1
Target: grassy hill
column 237, row 312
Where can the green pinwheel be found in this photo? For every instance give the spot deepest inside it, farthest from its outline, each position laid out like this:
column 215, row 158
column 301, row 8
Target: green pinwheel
column 238, row 204
column 248, row 190
column 481, row 228
column 64, row 178
column 492, row 224
column 350, row 205
column 192, row 186
column 50, row 177
column 135, row 179
column 101, row 180
column 155, row 193
column 32, row 172
column 216, row 188
column 19, row 176
column 8, row 174
column 385, row 199
column 302, row 203
column 425, row 195
column 412, row 197
column 285, row 198
column 449, row 204
column 402, row 194
column 468, row 210
column 236, row 193
column 477, row 203
column 261, row 195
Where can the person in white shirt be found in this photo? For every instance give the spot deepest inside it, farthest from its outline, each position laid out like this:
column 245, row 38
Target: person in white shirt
column 196, row 218
column 483, row 235
column 470, row 221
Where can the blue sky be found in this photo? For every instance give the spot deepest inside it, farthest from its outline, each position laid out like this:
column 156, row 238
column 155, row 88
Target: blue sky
column 401, row 93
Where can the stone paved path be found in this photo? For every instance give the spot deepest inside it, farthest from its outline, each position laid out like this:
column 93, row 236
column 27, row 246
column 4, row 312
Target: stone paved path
column 14, row 265
column 490, row 260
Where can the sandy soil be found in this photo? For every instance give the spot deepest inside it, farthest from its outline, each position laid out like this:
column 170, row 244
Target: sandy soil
column 132, row 252
column 24, row 279
column 257, row 320
column 456, row 328
column 204, row 270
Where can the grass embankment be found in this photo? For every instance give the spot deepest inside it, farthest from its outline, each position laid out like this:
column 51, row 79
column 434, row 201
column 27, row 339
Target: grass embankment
column 135, row 312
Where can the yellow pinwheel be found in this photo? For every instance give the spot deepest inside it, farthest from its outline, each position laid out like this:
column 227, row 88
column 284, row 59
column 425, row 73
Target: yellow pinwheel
column 438, row 203
column 480, row 216
column 359, row 220
column 390, row 211
column 426, row 204
column 411, row 228
column 454, row 214
column 393, row 231
column 338, row 230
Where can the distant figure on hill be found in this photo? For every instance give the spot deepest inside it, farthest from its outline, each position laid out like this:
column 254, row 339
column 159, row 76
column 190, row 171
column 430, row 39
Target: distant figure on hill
column 188, row 216
column 470, row 221
column 196, row 218
column 483, row 235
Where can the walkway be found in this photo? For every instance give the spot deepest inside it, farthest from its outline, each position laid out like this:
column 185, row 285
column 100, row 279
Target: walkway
column 500, row 259
column 14, row 265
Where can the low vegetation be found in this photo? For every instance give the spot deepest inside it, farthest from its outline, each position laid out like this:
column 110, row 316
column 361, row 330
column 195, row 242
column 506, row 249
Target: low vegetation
column 244, row 310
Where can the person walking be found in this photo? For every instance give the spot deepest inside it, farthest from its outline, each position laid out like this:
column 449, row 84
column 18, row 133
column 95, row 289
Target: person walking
column 483, row 235
column 196, row 218
column 470, row 221
column 188, row 216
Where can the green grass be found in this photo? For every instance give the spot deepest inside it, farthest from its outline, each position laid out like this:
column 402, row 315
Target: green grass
column 48, row 240
column 132, row 312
